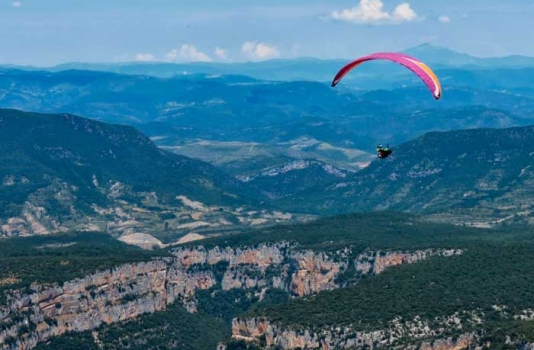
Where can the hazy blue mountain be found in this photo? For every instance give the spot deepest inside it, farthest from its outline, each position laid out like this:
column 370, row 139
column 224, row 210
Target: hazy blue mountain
column 136, row 99
column 437, row 55
column 454, row 97
column 278, row 69
column 398, row 127
column 305, row 68
column 287, row 120
column 441, row 56
column 230, row 104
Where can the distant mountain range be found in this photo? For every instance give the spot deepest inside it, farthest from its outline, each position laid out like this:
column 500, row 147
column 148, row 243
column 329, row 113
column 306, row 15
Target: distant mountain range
column 283, row 139
column 481, row 177
column 140, row 99
column 296, row 69
column 441, row 56
column 247, row 126
column 221, row 108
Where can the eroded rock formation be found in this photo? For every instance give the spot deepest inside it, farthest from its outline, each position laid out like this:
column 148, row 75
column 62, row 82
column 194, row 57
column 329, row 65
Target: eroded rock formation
column 130, row 290
column 265, row 333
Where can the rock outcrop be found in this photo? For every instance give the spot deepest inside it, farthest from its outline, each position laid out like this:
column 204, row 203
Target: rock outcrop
column 116, row 295
column 299, row 272
column 130, row 290
column 377, row 262
column 267, row 334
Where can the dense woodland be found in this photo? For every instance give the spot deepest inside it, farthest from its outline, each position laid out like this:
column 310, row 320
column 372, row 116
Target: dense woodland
column 377, row 230
column 495, row 269
column 174, row 328
column 60, row 258
column 483, row 276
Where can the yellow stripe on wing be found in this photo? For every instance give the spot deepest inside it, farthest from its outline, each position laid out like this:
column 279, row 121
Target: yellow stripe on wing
column 432, row 76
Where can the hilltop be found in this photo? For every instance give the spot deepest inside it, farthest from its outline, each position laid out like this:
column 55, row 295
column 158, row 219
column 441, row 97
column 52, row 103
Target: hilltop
column 62, row 172
column 477, row 176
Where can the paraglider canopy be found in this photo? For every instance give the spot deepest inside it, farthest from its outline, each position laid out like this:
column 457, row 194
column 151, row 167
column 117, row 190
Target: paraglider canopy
column 416, row 66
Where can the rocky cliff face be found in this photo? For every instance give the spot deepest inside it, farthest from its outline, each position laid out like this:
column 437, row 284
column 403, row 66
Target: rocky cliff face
column 299, row 272
column 102, row 298
column 261, row 330
column 127, row 291
column 377, row 262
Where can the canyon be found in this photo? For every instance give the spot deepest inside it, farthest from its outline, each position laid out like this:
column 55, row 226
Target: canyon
column 39, row 312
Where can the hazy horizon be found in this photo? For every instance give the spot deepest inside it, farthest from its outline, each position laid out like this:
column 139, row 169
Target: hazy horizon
column 56, row 32
column 133, row 61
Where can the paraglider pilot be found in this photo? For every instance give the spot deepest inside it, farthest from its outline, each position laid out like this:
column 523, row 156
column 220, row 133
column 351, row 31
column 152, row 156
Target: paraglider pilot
column 383, row 152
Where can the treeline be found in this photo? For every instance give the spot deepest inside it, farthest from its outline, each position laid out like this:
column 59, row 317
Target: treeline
column 380, row 230
column 60, row 258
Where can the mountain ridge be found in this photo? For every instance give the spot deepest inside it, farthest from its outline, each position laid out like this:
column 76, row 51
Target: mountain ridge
column 430, row 53
column 481, row 177
column 62, row 172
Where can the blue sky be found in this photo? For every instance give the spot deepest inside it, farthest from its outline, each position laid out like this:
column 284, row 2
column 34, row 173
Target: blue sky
column 46, row 32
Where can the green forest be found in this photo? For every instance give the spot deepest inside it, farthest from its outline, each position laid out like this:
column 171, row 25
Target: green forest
column 495, row 268
column 60, row 258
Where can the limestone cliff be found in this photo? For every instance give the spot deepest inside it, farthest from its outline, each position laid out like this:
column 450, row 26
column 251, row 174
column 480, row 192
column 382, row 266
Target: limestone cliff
column 106, row 297
column 299, row 272
column 127, row 291
column 269, row 335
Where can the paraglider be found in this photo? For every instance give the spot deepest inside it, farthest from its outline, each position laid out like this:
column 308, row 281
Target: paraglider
column 412, row 63
column 383, row 152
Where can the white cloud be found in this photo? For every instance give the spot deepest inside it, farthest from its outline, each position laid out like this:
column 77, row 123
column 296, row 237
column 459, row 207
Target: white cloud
column 221, row 53
column 144, row 57
column 444, row 19
column 371, row 11
column 17, row 4
column 187, row 53
column 259, row 51
column 404, row 12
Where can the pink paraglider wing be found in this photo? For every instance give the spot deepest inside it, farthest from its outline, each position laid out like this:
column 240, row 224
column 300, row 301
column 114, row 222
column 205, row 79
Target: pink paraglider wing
column 416, row 66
